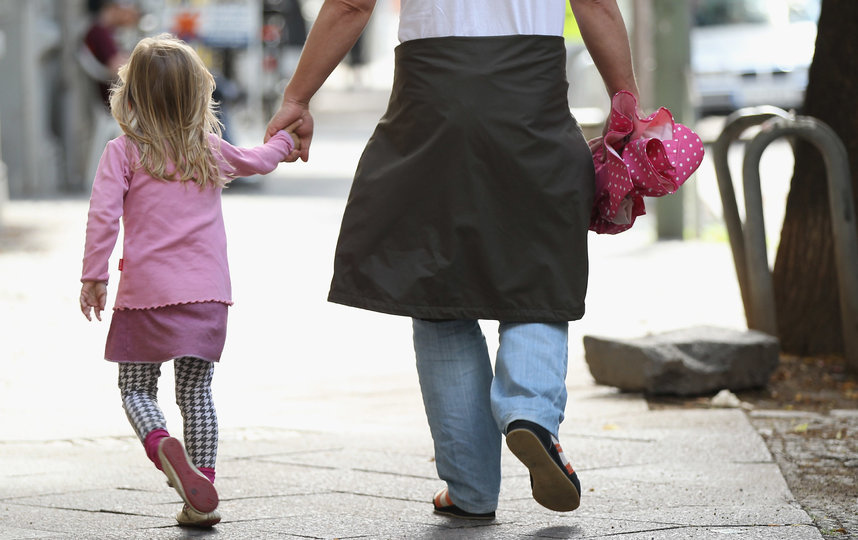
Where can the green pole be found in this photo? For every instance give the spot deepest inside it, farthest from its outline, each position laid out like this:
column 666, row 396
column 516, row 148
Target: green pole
column 671, row 28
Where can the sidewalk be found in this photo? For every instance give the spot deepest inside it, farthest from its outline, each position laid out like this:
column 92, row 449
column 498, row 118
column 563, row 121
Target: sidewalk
column 322, row 428
column 689, row 474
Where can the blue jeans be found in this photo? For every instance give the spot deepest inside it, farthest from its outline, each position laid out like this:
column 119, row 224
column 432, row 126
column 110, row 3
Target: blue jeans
column 469, row 407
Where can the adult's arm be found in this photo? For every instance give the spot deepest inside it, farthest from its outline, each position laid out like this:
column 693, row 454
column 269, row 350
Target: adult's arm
column 337, row 28
column 605, row 36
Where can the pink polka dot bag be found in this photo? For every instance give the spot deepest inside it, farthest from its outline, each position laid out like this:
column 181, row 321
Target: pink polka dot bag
column 637, row 158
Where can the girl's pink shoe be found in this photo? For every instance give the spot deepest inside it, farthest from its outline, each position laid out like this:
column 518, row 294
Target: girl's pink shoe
column 194, row 488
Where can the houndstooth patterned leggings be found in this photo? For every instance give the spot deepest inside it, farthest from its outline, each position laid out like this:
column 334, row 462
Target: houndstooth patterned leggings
column 138, row 384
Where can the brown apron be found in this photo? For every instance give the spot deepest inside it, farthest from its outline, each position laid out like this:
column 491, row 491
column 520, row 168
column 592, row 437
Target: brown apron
column 472, row 198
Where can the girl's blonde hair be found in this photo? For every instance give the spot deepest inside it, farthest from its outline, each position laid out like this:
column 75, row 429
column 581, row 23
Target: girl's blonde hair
column 163, row 103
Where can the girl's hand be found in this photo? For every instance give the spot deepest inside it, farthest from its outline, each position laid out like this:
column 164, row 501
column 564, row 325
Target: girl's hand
column 296, row 149
column 93, row 295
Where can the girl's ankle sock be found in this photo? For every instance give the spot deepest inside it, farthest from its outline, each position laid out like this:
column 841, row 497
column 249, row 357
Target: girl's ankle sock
column 151, row 442
column 208, row 473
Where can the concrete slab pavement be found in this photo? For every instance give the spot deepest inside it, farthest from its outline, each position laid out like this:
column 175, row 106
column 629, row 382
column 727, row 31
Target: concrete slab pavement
column 322, row 428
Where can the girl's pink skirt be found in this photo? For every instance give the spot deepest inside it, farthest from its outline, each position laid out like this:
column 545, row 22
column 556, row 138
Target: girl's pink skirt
column 161, row 334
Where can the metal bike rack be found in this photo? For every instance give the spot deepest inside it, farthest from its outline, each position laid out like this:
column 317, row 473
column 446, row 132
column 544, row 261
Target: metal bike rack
column 748, row 242
column 736, row 125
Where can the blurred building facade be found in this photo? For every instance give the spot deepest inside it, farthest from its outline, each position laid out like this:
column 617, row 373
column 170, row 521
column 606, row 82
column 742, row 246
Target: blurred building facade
column 4, row 185
column 39, row 95
column 48, row 107
column 51, row 122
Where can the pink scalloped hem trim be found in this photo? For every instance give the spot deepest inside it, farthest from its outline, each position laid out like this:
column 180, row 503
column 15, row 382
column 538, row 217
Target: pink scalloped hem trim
column 158, row 306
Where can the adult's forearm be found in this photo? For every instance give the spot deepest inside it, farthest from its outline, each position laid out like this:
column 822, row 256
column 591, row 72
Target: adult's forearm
column 337, row 28
column 607, row 41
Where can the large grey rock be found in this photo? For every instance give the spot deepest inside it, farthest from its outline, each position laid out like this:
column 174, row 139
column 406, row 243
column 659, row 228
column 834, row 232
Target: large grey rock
column 691, row 361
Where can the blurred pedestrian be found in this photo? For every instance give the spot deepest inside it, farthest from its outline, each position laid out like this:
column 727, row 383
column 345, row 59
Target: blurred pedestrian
column 472, row 201
column 100, row 41
column 100, row 55
column 163, row 177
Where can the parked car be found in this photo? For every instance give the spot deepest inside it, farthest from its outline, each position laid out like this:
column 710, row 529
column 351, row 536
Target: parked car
column 751, row 52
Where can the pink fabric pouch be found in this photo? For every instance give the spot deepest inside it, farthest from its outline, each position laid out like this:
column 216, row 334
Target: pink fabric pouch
column 638, row 157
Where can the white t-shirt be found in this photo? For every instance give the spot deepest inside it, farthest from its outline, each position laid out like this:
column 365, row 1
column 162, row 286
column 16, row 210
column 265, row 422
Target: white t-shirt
column 442, row 18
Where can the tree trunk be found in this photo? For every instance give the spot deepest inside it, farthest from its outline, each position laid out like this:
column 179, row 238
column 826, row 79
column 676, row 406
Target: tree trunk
column 805, row 279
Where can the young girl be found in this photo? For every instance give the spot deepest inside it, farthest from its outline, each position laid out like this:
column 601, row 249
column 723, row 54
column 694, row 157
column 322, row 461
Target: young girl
column 164, row 178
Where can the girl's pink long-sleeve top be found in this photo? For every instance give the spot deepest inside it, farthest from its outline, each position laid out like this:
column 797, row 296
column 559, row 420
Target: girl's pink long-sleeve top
column 174, row 248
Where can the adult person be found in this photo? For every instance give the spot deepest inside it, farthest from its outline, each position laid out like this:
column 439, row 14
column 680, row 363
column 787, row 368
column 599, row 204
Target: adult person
column 101, row 55
column 108, row 16
column 471, row 201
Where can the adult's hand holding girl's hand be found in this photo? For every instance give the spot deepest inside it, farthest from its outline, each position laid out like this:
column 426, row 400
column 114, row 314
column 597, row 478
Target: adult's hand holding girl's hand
column 290, row 112
column 93, row 296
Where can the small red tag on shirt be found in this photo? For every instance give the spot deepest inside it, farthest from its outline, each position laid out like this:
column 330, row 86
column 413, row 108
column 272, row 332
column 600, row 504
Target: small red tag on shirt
column 121, row 264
